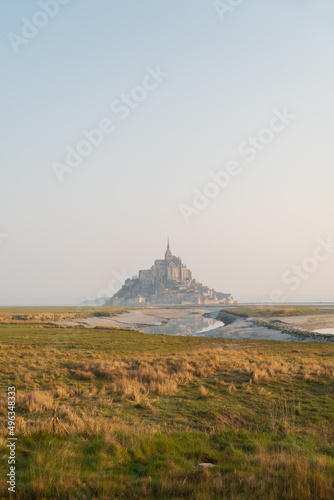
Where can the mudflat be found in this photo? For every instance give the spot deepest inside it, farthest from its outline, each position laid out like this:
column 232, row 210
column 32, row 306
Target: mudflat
column 138, row 318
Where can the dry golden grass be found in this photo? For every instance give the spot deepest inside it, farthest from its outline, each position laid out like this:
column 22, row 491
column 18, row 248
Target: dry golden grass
column 54, row 315
column 135, row 378
column 135, row 424
column 35, row 401
column 202, row 392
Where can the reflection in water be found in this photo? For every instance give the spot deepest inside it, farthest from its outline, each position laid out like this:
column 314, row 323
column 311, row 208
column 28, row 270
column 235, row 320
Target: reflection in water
column 200, row 326
column 185, row 326
column 215, row 324
column 192, row 322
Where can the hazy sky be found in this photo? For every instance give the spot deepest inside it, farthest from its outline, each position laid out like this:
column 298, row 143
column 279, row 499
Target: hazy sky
column 195, row 87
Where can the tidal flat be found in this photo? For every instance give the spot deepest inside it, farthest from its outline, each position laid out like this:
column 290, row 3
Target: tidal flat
column 295, row 324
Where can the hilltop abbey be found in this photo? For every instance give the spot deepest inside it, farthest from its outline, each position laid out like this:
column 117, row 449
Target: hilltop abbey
column 169, row 269
column 167, row 282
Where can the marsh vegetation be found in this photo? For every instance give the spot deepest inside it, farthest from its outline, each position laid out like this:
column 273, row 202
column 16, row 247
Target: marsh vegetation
column 138, row 413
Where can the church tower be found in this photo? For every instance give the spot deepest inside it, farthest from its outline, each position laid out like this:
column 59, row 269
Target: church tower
column 168, row 254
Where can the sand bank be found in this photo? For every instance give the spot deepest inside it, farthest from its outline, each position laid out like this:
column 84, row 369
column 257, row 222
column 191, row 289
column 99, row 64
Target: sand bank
column 308, row 323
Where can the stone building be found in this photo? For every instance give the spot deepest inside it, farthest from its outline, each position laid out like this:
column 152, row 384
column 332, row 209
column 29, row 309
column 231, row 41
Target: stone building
column 167, row 282
column 170, row 268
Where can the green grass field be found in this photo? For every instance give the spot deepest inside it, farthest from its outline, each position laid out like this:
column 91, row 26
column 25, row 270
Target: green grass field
column 138, row 413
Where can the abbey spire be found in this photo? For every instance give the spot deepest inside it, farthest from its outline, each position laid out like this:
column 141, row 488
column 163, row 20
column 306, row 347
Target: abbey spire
column 168, row 254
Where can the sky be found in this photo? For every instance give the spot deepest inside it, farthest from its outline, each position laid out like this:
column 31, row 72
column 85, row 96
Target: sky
column 125, row 122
